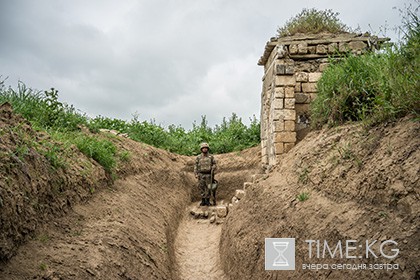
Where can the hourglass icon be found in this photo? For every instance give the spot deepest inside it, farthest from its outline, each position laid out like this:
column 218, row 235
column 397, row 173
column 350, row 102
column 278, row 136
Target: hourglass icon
column 280, row 247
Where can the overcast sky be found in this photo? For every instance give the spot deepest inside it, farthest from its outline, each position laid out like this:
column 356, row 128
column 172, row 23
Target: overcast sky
column 171, row 61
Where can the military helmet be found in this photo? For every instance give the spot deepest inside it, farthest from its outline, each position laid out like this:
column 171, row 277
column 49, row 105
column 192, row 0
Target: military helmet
column 204, row 145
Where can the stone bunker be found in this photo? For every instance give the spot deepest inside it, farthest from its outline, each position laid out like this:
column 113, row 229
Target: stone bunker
column 292, row 67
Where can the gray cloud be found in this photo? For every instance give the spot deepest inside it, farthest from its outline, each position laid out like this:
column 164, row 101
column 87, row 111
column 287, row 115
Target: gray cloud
column 171, row 61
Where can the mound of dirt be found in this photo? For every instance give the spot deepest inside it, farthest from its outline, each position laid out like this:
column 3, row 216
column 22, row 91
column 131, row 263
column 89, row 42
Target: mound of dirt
column 32, row 190
column 124, row 231
column 339, row 184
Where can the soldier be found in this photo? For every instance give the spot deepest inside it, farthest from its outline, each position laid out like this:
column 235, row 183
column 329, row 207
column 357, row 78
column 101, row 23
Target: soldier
column 204, row 168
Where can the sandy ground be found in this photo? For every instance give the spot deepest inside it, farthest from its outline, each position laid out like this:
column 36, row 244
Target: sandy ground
column 197, row 249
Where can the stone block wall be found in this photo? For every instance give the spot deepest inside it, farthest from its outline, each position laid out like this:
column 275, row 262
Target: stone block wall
column 292, row 67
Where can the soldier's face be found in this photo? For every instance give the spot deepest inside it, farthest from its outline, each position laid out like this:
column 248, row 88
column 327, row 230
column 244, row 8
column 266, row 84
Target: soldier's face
column 204, row 150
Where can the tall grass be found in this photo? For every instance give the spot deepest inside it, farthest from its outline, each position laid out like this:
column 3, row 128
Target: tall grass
column 374, row 87
column 46, row 112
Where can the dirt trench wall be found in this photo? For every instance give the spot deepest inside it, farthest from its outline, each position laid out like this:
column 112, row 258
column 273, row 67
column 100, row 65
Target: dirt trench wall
column 292, row 67
column 32, row 191
column 74, row 222
column 362, row 185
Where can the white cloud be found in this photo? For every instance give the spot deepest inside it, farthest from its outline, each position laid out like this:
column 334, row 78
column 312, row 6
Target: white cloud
column 171, row 61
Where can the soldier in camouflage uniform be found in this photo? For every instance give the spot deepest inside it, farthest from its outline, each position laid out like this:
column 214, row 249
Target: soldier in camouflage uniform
column 205, row 166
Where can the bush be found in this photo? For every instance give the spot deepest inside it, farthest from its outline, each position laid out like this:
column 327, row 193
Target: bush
column 314, row 22
column 373, row 87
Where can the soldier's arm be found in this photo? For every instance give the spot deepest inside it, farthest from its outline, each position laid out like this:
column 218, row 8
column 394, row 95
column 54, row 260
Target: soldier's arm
column 196, row 167
column 214, row 165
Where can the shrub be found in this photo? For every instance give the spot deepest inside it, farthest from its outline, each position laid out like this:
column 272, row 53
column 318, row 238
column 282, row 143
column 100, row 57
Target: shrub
column 373, row 87
column 313, row 21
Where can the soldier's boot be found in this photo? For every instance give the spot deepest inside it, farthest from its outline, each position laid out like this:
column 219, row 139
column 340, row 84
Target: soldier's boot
column 207, row 201
column 203, row 202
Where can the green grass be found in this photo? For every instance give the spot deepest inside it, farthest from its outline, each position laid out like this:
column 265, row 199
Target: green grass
column 303, row 196
column 46, row 112
column 372, row 88
column 43, row 266
column 102, row 151
column 312, row 21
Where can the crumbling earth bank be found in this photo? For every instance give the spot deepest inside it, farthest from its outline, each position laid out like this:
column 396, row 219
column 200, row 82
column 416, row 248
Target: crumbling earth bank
column 32, row 191
column 83, row 226
column 362, row 184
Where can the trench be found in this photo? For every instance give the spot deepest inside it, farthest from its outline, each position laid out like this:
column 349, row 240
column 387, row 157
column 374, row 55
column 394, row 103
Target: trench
column 197, row 248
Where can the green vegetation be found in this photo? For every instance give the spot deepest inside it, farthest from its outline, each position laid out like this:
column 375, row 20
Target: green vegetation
column 103, row 151
column 64, row 123
column 312, row 21
column 303, row 196
column 231, row 135
column 43, row 266
column 374, row 87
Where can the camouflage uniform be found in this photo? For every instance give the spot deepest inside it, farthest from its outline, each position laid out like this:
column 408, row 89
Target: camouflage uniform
column 204, row 165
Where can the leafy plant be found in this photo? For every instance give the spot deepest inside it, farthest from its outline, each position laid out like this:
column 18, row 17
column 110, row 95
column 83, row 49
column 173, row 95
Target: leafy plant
column 313, row 21
column 303, row 196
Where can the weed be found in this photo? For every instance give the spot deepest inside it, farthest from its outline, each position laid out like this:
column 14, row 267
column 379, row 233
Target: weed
column 164, row 247
column 125, row 156
column 43, row 266
column 303, row 196
column 383, row 214
column 303, row 176
column 345, row 151
column 358, row 162
column 389, row 148
column 21, row 151
column 313, row 21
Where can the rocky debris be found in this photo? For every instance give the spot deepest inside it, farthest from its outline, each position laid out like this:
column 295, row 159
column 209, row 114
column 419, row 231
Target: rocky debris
column 234, row 200
column 247, row 185
column 240, row 194
column 213, row 213
column 213, row 218
column 114, row 132
column 221, row 211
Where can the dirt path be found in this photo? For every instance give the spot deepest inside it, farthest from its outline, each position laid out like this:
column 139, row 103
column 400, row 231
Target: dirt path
column 197, row 249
